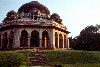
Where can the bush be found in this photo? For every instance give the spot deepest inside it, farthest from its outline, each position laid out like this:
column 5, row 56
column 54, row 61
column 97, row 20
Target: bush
column 9, row 59
column 72, row 57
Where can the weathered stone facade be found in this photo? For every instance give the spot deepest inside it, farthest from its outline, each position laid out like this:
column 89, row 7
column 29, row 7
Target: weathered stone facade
column 33, row 27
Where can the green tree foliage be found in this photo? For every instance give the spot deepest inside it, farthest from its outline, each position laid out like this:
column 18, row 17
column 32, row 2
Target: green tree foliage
column 89, row 39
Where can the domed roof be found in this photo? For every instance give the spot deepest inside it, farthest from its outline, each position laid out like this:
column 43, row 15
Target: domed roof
column 33, row 4
column 55, row 16
column 10, row 13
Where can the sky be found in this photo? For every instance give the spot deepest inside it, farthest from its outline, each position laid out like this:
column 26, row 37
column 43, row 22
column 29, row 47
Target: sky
column 76, row 14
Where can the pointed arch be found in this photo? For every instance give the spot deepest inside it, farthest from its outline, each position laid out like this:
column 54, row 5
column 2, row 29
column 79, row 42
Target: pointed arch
column 34, row 41
column 24, row 39
column 11, row 40
column 45, row 39
column 60, row 41
column 56, row 39
column 4, row 41
column 65, row 44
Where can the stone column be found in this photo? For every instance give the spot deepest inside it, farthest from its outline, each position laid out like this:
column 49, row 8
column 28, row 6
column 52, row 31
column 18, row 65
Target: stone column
column 58, row 40
column 63, row 41
column 68, row 43
column 28, row 41
column 8, row 41
column 13, row 40
column 29, row 37
column 54, row 39
column 40, row 45
column 51, row 38
column 40, row 36
column 17, row 42
column 17, row 39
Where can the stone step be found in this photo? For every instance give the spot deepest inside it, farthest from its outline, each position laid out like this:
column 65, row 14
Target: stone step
column 37, row 58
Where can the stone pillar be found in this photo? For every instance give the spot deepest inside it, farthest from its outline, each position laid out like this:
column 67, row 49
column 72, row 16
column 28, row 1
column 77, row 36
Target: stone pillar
column 17, row 39
column 68, row 43
column 13, row 40
column 40, row 45
column 8, row 41
column 58, row 40
column 40, row 36
column 29, row 37
column 45, row 42
column 53, row 39
column 28, row 41
column 63, row 40
column 17, row 42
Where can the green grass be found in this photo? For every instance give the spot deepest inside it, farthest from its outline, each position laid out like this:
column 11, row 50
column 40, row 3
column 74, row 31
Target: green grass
column 75, row 65
column 72, row 56
column 68, row 58
column 82, row 65
column 22, row 66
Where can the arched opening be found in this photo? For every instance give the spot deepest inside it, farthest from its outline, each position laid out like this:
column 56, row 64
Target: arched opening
column 45, row 39
column 65, row 44
column 56, row 39
column 0, row 40
column 60, row 41
column 34, row 41
column 11, row 39
column 35, row 17
column 4, row 41
column 24, row 39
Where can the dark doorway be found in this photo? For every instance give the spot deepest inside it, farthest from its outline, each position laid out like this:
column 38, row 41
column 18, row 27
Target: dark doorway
column 24, row 39
column 56, row 39
column 4, row 41
column 65, row 44
column 45, row 39
column 11, row 39
column 60, row 41
column 34, row 41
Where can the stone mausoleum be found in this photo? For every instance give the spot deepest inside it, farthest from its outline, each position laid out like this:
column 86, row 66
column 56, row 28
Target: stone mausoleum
column 33, row 27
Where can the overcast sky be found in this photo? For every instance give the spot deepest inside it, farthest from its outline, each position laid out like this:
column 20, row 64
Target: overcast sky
column 76, row 14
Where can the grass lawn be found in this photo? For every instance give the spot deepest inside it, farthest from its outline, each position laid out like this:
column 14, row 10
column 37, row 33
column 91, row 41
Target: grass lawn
column 76, row 53
column 22, row 66
column 68, row 58
column 75, row 65
column 82, row 65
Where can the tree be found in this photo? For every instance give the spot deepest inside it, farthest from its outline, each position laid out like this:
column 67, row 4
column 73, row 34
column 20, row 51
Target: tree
column 89, row 39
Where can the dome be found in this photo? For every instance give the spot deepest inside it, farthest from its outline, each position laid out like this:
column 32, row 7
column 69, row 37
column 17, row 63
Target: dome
column 11, row 15
column 55, row 16
column 31, row 5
